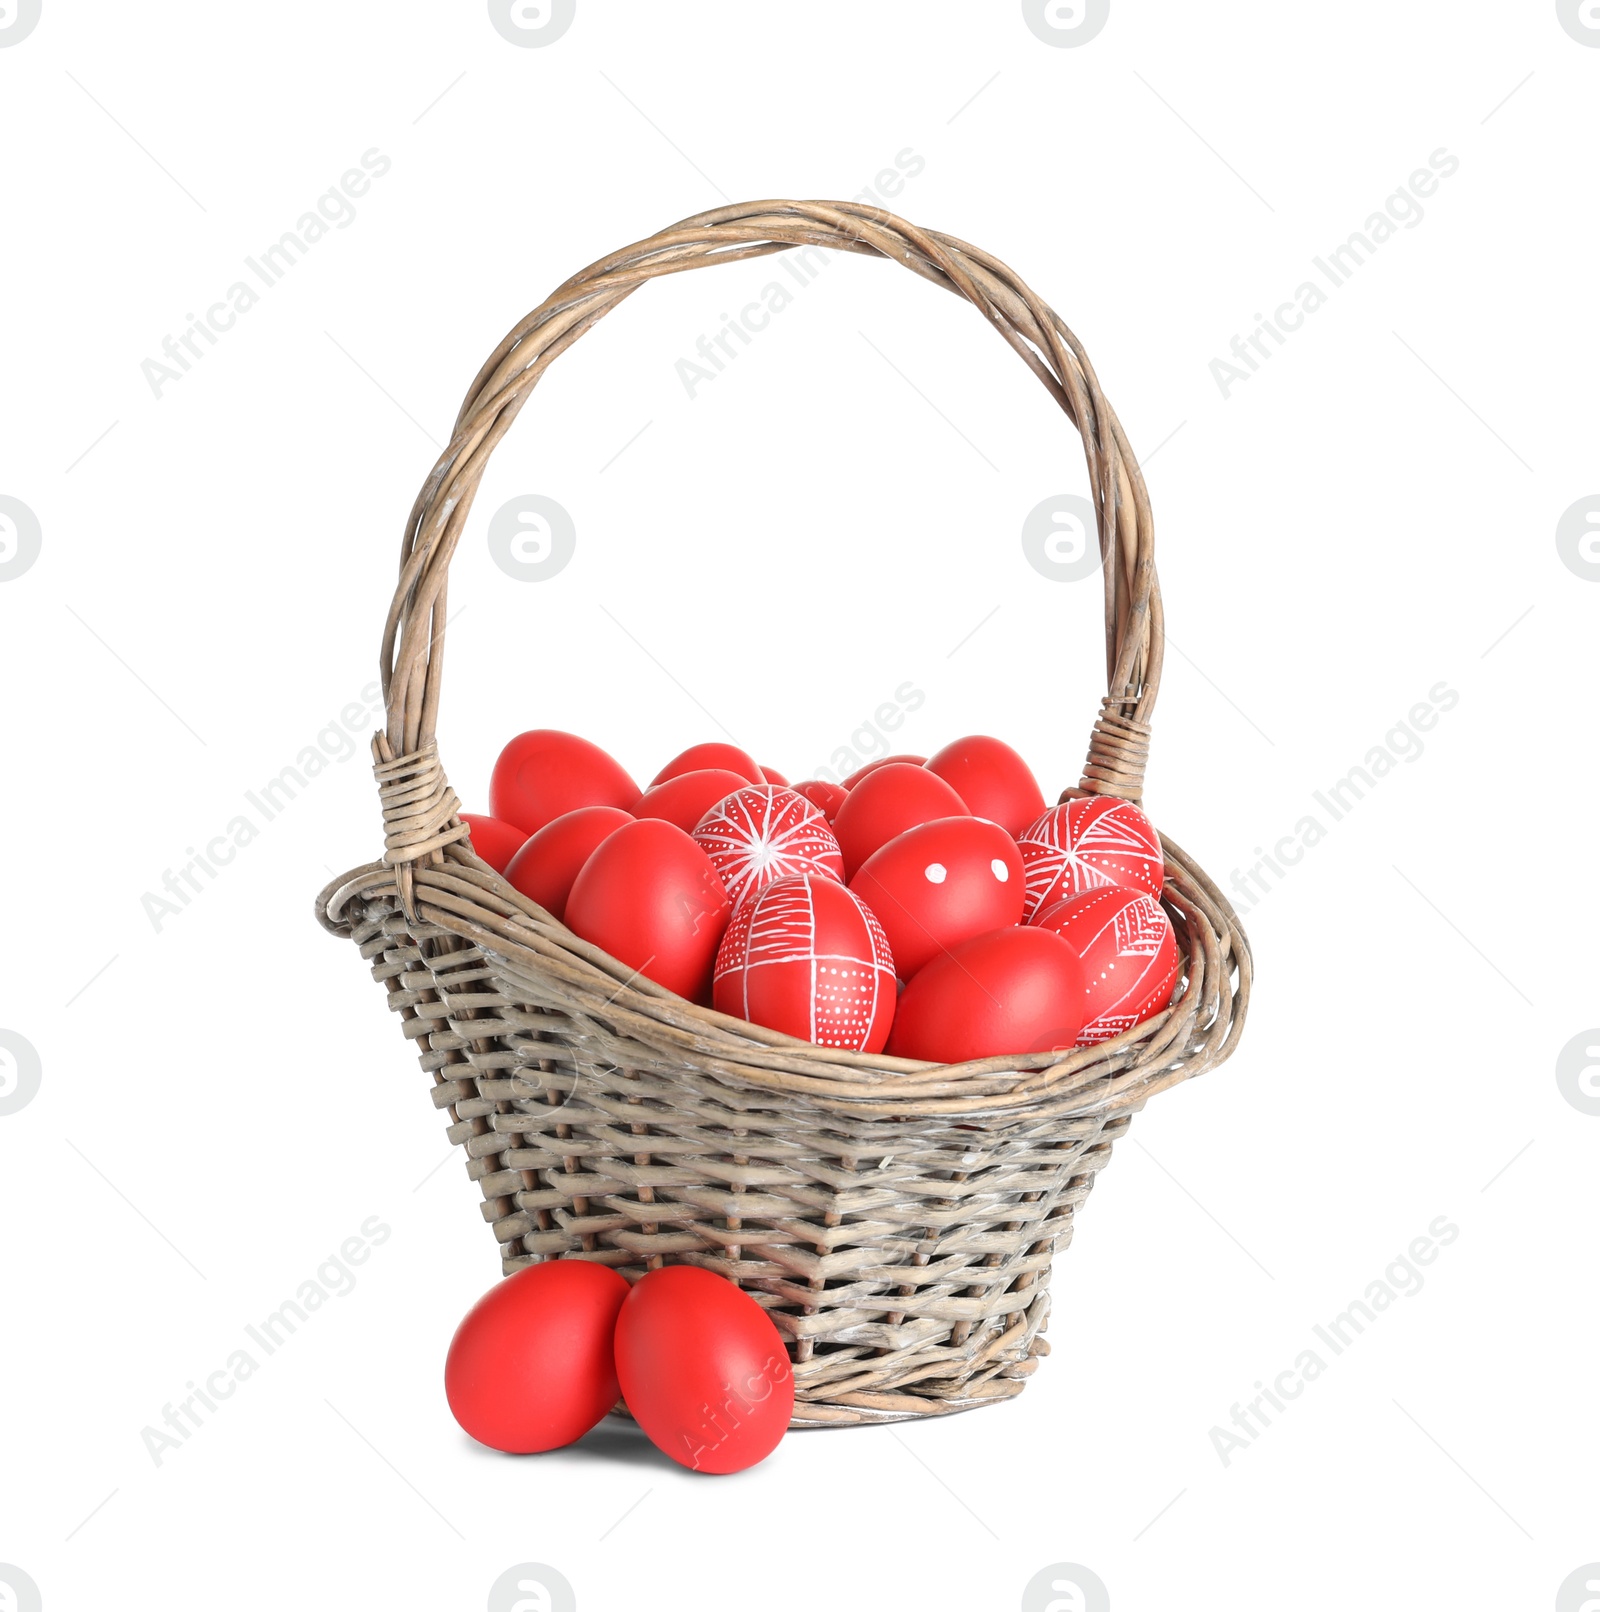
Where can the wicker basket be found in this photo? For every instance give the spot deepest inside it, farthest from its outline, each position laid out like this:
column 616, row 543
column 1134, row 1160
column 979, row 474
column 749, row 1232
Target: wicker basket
column 897, row 1220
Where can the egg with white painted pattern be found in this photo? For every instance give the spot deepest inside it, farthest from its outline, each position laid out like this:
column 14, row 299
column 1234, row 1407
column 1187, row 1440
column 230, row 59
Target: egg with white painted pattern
column 1129, row 953
column 939, row 884
column 757, row 835
column 806, row 957
column 1088, row 844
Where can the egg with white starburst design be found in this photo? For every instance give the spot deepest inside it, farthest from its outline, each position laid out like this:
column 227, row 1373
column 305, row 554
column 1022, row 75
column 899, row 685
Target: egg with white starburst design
column 1089, row 844
column 764, row 833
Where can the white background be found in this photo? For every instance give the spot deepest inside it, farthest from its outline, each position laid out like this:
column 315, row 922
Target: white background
column 225, row 1100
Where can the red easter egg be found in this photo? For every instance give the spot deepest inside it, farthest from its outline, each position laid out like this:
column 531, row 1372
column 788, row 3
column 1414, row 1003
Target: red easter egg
column 992, row 779
column 698, row 757
column 939, row 884
column 772, row 776
column 492, row 841
column 685, row 798
column 1012, row 990
column 533, row 1365
column 806, row 957
column 764, row 833
column 1129, row 955
column 826, row 797
column 887, row 802
column 882, row 761
column 703, row 1369
column 543, row 774
column 650, row 897
column 543, row 870
column 1087, row 844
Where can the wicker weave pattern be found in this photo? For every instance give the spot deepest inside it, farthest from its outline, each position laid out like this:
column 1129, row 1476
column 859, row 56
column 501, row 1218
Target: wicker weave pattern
column 897, row 1219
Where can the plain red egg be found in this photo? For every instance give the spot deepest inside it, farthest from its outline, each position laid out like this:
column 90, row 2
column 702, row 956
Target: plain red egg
column 492, row 841
column 992, row 779
column 548, row 862
column 1087, row 844
column 897, row 796
column 771, row 775
column 764, row 832
column 1129, row 954
column 939, row 884
column 703, row 1369
column 532, row 1367
column 806, row 957
column 882, row 761
column 686, row 797
column 544, row 774
column 650, row 897
column 826, row 797
column 699, row 757
column 1010, row 991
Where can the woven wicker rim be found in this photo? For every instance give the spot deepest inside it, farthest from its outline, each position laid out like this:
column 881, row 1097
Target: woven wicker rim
column 429, row 866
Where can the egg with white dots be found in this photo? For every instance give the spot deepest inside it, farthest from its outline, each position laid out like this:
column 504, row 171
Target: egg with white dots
column 941, row 883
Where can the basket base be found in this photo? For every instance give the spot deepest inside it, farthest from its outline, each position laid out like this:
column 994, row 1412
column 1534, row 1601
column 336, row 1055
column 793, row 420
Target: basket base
column 868, row 1409
column 902, row 1407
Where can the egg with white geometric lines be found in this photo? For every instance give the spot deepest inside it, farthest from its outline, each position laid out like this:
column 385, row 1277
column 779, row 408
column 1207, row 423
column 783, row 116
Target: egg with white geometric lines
column 806, row 957
column 1129, row 953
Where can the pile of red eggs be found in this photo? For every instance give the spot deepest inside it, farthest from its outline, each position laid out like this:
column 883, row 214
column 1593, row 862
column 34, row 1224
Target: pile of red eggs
column 543, row 1356
column 931, row 908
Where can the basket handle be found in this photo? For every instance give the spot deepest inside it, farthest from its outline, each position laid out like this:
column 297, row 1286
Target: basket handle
column 419, row 806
